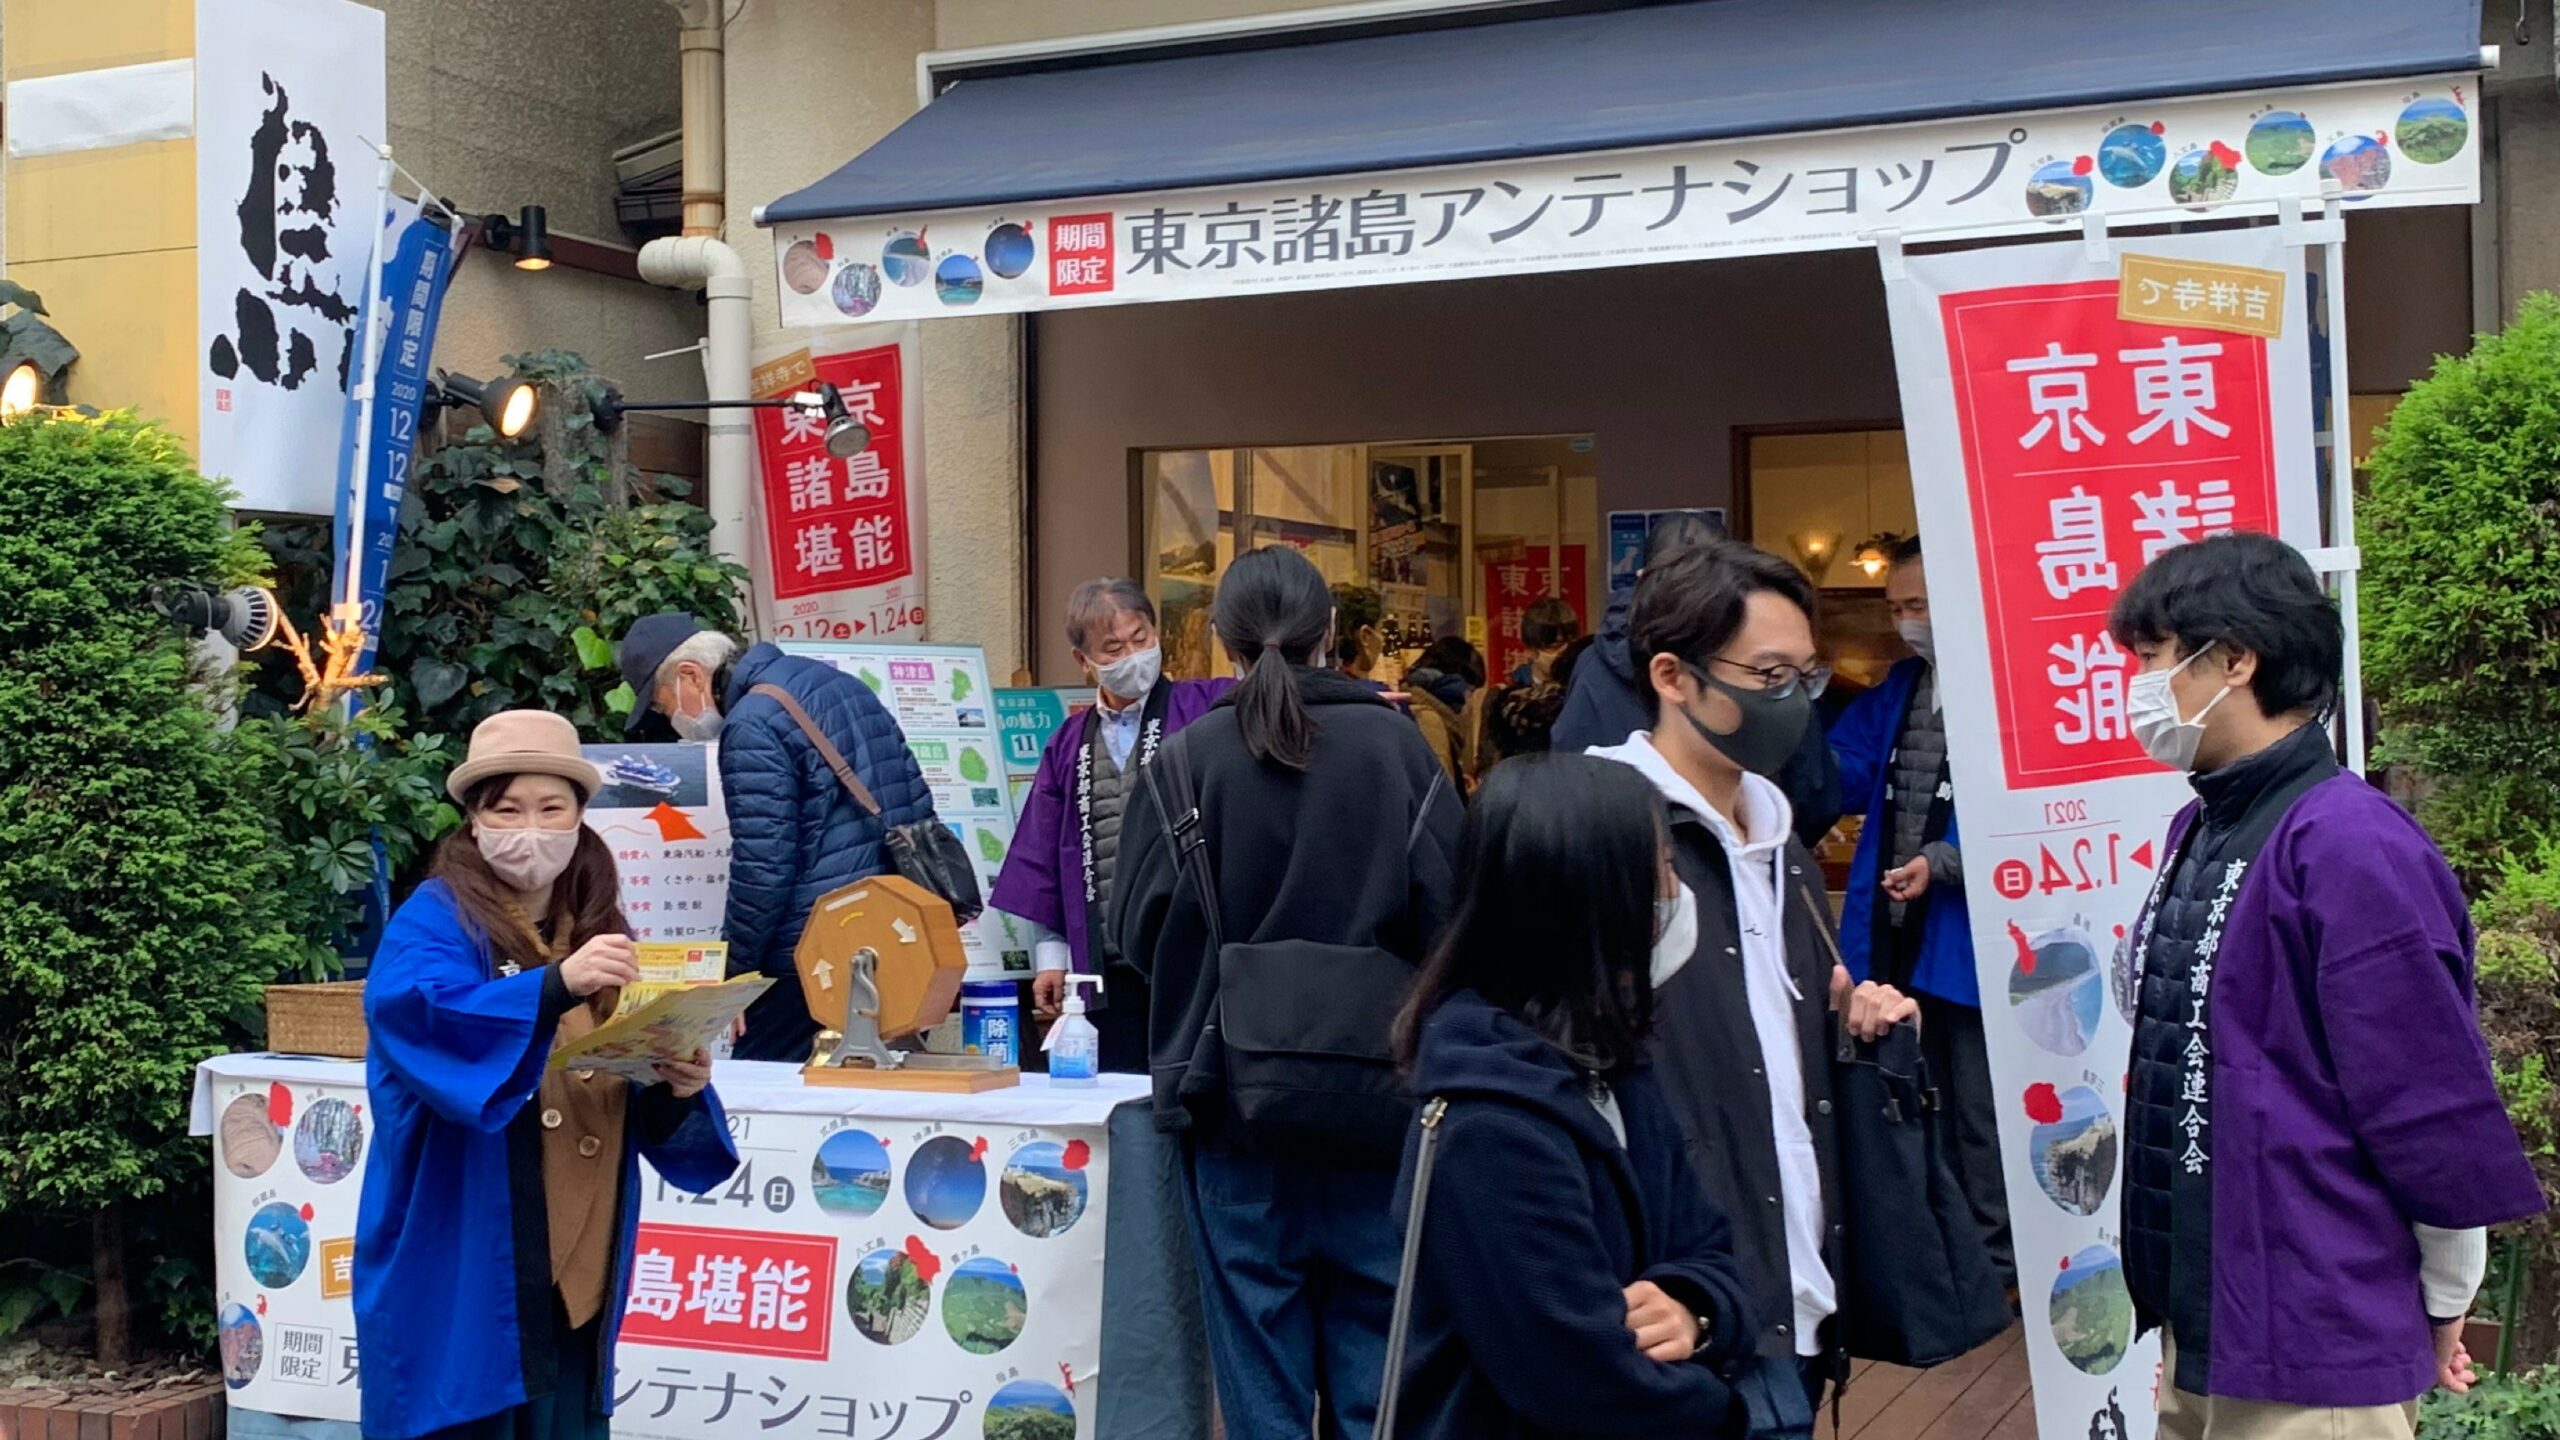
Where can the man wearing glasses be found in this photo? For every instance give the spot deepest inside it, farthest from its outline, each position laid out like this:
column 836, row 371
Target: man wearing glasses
column 1744, row 1020
column 1905, row 922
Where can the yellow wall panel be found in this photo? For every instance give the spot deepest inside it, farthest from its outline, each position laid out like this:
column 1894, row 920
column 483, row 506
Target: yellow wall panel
column 56, row 37
column 102, row 202
column 134, row 319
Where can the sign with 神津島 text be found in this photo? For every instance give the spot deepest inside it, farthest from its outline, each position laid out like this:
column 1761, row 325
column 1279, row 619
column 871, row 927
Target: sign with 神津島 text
column 2070, row 419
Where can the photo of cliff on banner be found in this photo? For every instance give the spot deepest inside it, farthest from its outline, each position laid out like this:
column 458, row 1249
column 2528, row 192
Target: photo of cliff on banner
column 2072, row 415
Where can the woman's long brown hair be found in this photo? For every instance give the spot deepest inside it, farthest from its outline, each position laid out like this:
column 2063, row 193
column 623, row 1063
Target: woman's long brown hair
column 586, row 901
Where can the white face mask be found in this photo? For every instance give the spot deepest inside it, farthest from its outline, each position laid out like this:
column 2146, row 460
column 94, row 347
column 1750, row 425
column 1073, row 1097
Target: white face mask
column 1132, row 675
column 1675, row 934
column 2151, row 709
column 1917, row 635
column 702, row 725
column 529, row 858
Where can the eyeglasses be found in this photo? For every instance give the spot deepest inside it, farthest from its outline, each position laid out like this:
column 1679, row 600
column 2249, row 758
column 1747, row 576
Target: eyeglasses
column 1778, row 681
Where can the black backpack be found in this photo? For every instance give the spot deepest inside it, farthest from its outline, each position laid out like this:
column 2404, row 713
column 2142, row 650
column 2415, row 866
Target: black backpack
column 1298, row 1034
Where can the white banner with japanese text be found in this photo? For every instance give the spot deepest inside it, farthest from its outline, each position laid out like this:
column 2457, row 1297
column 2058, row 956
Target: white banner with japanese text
column 2386, row 143
column 839, row 539
column 881, row 1267
column 2058, row 444
column 288, row 95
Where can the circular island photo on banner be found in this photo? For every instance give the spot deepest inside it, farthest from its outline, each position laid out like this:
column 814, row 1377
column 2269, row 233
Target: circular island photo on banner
column 278, row 1244
column 888, row 1297
column 1029, row 1410
column 2055, row 991
column 947, row 1181
column 984, row 1306
column 328, row 1142
column 2092, row 1311
column 251, row 1139
column 1044, row 1187
column 2073, row 1146
column 244, row 1345
column 850, row 1173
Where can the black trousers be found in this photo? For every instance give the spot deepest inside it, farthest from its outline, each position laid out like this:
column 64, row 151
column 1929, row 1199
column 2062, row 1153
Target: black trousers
column 1960, row 1062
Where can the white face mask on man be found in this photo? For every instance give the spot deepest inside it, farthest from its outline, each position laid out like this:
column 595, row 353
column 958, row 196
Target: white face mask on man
column 1675, row 934
column 702, row 724
column 1133, row 675
column 1922, row 640
column 2151, row 711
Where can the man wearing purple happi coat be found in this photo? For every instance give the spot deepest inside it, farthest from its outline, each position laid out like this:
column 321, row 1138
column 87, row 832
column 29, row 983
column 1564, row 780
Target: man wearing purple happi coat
column 2315, row 1143
column 1057, row 876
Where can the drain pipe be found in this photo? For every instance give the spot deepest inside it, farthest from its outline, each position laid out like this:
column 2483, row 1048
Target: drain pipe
column 699, row 262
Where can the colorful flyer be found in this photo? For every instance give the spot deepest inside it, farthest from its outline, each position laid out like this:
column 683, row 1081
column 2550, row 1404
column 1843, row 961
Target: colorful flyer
column 685, row 1020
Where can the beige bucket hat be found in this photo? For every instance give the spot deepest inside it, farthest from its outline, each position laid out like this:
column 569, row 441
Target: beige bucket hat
column 525, row 742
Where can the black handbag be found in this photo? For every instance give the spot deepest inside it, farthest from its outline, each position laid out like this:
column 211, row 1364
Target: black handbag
column 926, row 852
column 1918, row 1287
column 1299, row 1033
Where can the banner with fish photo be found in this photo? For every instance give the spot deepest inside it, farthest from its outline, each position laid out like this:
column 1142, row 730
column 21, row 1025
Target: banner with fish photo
column 2071, row 417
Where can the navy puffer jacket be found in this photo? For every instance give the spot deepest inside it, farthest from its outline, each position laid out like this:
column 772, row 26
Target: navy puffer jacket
column 794, row 834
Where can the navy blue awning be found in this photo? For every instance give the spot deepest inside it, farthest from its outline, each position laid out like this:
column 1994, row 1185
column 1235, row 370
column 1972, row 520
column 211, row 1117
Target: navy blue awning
column 1662, row 74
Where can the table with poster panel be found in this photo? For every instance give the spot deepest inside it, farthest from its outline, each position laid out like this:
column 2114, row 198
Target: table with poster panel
column 883, row 1266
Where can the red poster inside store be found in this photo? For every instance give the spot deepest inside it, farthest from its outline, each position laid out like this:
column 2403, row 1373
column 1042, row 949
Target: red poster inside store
column 1514, row 579
column 838, row 524
column 2092, row 444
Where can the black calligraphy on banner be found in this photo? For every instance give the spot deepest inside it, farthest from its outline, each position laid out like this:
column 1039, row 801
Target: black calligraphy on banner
column 284, row 328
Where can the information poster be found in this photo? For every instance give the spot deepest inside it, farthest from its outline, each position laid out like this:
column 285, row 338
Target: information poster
column 839, row 557
column 662, row 812
column 2064, row 443
column 1028, row 718
column 942, row 701
column 860, row 1275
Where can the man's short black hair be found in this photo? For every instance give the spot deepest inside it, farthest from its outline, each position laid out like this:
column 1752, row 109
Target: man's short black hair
column 1550, row 624
column 2250, row 592
column 1355, row 608
column 1905, row 551
column 1692, row 604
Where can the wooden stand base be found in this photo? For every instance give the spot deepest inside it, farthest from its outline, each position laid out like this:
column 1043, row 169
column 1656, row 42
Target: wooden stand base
column 940, row 1082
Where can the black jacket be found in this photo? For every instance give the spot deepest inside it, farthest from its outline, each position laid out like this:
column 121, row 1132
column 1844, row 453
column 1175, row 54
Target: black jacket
column 1537, row 1221
column 1607, row 703
column 1358, row 849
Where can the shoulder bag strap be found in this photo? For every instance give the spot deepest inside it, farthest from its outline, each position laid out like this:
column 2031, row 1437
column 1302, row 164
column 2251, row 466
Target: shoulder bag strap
column 1179, row 811
column 827, row 751
column 1400, row 1320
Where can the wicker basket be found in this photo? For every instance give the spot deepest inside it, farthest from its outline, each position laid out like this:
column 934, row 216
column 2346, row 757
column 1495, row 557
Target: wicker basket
column 323, row 1019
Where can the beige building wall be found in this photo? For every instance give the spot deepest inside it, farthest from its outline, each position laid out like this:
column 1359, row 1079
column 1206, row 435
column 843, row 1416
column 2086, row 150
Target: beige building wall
column 810, row 85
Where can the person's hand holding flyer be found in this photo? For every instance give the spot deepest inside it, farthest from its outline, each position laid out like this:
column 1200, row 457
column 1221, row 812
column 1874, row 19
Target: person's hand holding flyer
column 675, row 1027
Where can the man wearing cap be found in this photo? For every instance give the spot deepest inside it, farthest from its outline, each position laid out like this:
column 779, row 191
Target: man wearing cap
column 794, row 832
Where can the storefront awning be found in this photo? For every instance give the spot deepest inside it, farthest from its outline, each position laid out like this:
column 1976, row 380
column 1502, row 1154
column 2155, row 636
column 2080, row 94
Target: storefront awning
column 1485, row 114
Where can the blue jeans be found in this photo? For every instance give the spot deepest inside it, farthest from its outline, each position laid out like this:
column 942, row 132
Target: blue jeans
column 1297, row 1276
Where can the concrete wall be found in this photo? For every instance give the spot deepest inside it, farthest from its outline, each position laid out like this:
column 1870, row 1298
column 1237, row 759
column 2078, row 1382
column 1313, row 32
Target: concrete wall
column 810, row 84
column 959, row 24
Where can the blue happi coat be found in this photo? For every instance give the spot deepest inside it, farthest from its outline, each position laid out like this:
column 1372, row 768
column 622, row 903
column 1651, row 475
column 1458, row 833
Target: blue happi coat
column 1864, row 740
column 455, row 1051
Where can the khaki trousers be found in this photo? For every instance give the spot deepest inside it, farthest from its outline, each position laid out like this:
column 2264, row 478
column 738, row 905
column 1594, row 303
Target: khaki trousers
column 2186, row 1416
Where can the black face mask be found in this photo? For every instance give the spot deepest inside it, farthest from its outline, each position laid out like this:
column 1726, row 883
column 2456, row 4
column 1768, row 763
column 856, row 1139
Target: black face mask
column 1772, row 725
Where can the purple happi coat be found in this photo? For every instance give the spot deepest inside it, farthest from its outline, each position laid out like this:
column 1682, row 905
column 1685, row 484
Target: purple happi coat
column 1042, row 880
column 2352, row 1097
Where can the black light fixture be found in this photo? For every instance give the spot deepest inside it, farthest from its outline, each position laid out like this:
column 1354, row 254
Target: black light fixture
column 527, row 237
column 508, row 405
column 846, row 436
column 246, row 616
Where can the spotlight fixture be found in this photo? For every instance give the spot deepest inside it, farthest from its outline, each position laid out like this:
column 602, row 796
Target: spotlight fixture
column 22, row 391
column 527, row 237
column 247, row 616
column 847, row 436
column 508, row 405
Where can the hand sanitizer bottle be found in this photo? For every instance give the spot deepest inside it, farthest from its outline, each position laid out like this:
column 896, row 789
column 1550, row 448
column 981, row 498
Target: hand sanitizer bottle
column 1075, row 1049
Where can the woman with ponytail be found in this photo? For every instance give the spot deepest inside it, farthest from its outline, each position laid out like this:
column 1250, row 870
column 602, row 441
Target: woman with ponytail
column 1314, row 817
column 501, row 1196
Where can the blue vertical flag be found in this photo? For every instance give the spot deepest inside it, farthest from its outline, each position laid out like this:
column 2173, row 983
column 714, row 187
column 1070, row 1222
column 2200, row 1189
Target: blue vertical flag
column 416, row 260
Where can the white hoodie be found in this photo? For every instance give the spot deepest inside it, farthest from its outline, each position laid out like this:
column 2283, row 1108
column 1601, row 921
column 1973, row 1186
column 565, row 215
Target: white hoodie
column 1760, row 913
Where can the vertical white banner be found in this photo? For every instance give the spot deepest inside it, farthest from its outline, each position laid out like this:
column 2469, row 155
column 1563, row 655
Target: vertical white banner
column 288, row 92
column 839, row 541
column 2072, row 412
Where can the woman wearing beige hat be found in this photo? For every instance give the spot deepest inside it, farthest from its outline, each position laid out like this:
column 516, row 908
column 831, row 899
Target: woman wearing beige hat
column 494, row 1243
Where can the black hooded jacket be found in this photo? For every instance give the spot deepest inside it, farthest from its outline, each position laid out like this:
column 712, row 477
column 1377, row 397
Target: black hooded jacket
column 1537, row 1221
column 1606, row 704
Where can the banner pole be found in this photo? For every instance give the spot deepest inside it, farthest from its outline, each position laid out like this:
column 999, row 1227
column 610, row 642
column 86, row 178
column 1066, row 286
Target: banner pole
column 346, row 610
column 2342, row 476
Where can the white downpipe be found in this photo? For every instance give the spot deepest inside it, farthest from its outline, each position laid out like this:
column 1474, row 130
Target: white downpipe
column 690, row 262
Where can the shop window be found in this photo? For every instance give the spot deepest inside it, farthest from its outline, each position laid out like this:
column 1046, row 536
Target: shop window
column 1457, row 537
